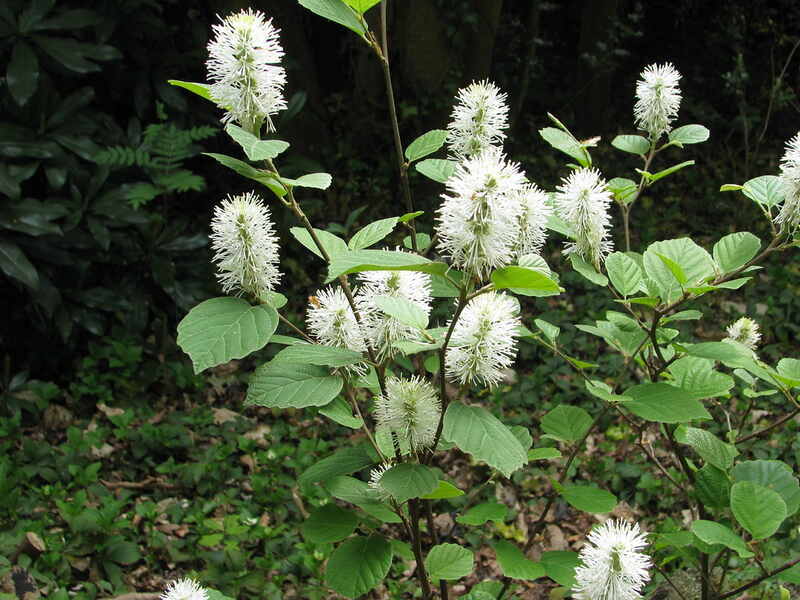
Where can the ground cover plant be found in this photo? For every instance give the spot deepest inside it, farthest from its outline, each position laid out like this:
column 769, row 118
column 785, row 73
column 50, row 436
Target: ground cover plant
column 133, row 473
column 368, row 358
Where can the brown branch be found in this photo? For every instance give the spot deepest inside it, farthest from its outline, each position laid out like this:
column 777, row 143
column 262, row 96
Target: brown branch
column 759, row 579
column 769, row 428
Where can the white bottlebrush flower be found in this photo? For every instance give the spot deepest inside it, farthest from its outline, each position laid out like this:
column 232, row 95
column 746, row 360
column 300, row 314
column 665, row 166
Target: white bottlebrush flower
column 484, row 342
column 613, row 566
column 583, row 200
column 185, row 589
column 244, row 69
column 381, row 329
column 411, row 408
column 478, row 222
column 375, row 476
column 331, row 321
column 789, row 215
column 658, row 99
column 245, row 245
column 533, row 220
column 479, row 119
column 744, row 331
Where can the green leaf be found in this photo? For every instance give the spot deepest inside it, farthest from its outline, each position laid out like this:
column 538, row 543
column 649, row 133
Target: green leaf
column 765, row 190
column 514, row 564
column 426, row 144
column 624, row 190
column 254, row 148
column 567, row 144
column 789, row 368
column 589, row 498
column 318, row 181
column 381, row 260
column 543, row 454
column 339, row 410
column 201, row 89
column 717, row 533
column 600, row 389
column 708, row 446
column 735, row 249
column 359, row 493
column 332, row 244
column 436, row 168
column 481, row 513
column 560, row 566
column 288, row 385
column 449, row 562
column 758, row 509
column 405, row 311
column 674, row 268
column 122, row 552
column 653, row 177
column 664, row 403
column 443, row 490
column 548, row 329
column 342, row 462
column 712, row 487
column 22, row 75
column 17, row 266
column 730, row 187
column 408, row 480
column 359, row 563
column 410, row 216
column 329, row 523
column 774, row 475
column 689, row 134
column 524, row 281
column 362, row 6
column 316, row 354
column 566, row 423
column 242, row 168
column 695, row 263
column 697, row 377
column 624, row 272
column 477, row 432
column 336, row 11
column 221, row 329
column 635, row 144
column 372, row 233
column 588, row 271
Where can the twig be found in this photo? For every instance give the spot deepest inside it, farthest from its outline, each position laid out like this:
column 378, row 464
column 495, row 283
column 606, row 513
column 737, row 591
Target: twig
column 147, row 482
column 759, row 579
column 769, row 428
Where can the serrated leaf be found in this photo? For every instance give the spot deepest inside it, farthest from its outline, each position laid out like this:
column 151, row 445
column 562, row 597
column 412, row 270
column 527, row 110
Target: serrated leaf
column 372, row 233
column 342, row 462
column 329, row 523
column 254, row 148
column 481, row 513
column 381, row 260
column 758, row 509
column 426, row 144
column 437, row 169
column 404, row 311
column 524, row 281
column 588, row 271
column 764, row 190
column 318, row 181
column 408, row 480
column 332, row 243
column 477, row 432
column 339, row 410
column 624, row 272
column 664, row 403
column 317, row 354
column 336, row 11
column 697, row 377
column 689, row 134
column 359, row 493
column 221, row 329
column 589, row 498
column 288, row 385
column 448, row 562
column 774, row 475
column 550, row 331
column 634, row 144
column 359, row 563
column 560, row 566
column 624, row 190
column 734, row 250
column 514, row 564
column 443, row 490
column 717, row 533
column 695, row 263
column 708, row 446
column 566, row 423
column 567, row 144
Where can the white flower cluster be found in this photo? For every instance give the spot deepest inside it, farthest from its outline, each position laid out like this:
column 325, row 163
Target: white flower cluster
column 332, row 322
column 375, row 476
column 244, row 69
column 613, row 566
column 583, row 200
column 745, row 331
column 383, row 330
column 484, row 343
column 479, row 119
column 245, row 246
column 658, row 99
column 411, row 408
column 789, row 215
column 490, row 214
column 185, row 589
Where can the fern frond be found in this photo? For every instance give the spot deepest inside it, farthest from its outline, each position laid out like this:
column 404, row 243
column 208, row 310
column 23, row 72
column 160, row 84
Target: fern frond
column 119, row 157
column 181, row 181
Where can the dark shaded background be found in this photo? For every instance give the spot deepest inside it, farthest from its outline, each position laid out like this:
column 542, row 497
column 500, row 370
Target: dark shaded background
column 103, row 222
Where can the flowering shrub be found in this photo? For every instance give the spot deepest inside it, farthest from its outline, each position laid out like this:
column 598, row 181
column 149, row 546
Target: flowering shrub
column 371, row 360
